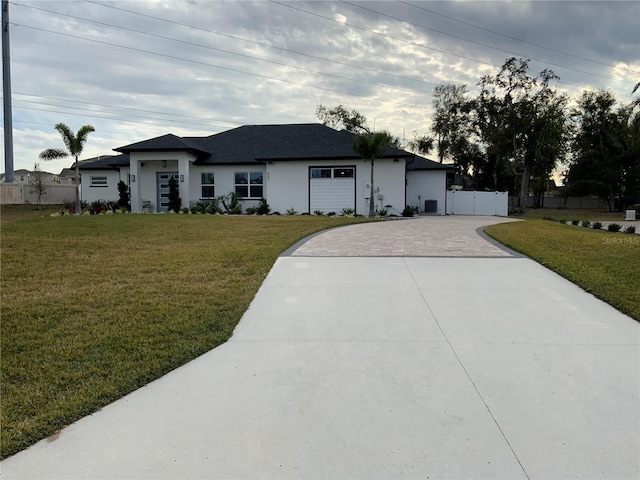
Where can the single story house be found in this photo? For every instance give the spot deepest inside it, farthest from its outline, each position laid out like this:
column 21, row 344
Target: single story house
column 306, row 167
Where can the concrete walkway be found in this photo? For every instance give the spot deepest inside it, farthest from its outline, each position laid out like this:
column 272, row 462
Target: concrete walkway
column 389, row 367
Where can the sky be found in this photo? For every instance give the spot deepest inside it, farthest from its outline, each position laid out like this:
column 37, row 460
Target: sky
column 140, row 69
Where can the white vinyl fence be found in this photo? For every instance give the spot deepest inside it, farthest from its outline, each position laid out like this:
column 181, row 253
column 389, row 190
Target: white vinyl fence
column 14, row 193
column 477, row 203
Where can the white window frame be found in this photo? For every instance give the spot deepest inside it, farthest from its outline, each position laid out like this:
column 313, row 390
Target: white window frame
column 99, row 183
column 249, row 185
column 207, row 185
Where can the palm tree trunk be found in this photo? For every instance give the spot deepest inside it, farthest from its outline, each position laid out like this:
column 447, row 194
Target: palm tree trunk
column 372, row 212
column 78, row 209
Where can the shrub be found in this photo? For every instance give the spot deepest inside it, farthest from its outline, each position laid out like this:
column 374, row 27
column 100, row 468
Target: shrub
column 184, row 210
column 331, row 214
column 175, row 202
column 575, row 222
column 586, row 223
column 124, row 200
column 275, row 213
column 631, row 229
column 251, row 210
column 348, row 211
column 563, row 221
column 383, row 212
column 614, row 227
column 408, row 211
column 318, row 212
column 597, row 225
column 291, row 211
column 263, row 207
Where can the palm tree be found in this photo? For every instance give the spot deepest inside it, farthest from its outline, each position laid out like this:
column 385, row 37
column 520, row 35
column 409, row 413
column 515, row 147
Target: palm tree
column 371, row 146
column 75, row 145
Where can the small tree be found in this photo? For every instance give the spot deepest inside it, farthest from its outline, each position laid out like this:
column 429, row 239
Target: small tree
column 175, row 202
column 371, row 146
column 75, row 146
column 38, row 183
column 124, row 200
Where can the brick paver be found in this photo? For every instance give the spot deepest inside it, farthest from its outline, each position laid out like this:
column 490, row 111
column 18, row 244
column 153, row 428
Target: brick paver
column 445, row 236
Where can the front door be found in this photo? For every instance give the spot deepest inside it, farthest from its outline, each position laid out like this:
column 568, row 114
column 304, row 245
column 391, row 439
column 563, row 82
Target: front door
column 163, row 189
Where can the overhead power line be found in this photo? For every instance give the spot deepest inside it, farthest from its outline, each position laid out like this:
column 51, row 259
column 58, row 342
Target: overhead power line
column 126, row 108
column 196, row 62
column 511, row 37
column 408, row 42
column 474, row 41
column 251, row 57
column 266, row 45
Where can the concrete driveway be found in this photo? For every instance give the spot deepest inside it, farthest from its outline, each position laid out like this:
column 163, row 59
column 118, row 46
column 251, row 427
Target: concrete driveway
column 478, row 364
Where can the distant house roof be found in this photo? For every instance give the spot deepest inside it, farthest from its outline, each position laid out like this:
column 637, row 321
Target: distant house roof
column 421, row 163
column 252, row 144
column 103, row 162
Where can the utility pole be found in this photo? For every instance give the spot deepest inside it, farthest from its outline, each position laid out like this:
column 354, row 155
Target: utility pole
column 6, row 95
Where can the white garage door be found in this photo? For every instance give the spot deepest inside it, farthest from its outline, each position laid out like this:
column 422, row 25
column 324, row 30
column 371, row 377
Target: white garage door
column 331, row 189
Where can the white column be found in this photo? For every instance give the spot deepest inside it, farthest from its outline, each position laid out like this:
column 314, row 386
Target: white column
column 183, row 179
column 136, row 186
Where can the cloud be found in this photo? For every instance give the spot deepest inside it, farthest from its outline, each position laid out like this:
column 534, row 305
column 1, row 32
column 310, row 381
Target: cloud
column 139, row 69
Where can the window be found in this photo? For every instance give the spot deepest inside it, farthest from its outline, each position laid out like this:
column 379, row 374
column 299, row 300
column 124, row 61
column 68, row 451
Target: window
column 320, row 173
column 249, row 184
column 332, row 172
column 208, row 189
column 98, row 181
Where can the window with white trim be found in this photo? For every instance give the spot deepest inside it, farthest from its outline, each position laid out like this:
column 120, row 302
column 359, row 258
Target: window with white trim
column 98, row 181
column 208, row 185
column 249, row 184
column 337, row 172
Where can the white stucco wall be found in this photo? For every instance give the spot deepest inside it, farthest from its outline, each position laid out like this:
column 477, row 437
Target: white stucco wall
column 288, row 183
column 224, row 177
column 426, row 185
column 90, row 193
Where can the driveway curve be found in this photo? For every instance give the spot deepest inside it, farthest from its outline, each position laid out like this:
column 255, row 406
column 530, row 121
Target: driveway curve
column 418, row 352
column 441, row 236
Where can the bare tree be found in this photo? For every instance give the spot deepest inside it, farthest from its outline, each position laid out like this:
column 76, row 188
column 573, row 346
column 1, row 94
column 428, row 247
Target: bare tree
column 38, row 183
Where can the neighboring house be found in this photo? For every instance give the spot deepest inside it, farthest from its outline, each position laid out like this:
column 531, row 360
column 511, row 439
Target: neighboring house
column 67, row 176
column 99, row 176
column 24, row 177
column 306, row 167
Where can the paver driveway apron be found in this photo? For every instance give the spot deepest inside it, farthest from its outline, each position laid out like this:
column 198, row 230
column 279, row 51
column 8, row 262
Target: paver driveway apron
column 406, row 349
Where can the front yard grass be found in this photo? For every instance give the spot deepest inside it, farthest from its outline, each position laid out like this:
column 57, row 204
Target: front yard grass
column 94, row 307
column 604, row 264
column 568, row 214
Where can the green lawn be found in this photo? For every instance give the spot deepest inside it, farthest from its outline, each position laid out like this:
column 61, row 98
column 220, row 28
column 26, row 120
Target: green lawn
column 94, row 307
column 591, row 214
column 603, row 263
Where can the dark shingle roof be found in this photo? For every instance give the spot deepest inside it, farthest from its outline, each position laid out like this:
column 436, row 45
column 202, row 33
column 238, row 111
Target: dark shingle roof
column 262, row 143
column 104, row 162
column 166, row 142
column 421, row 163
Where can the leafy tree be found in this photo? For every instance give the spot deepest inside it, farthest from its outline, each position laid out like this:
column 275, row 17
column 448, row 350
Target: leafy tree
column 75, row 146
column 606, row 150
column 636, row 101
column 175, row 202
column 38, row 183
column 341, row 118
column 450, row 122
column 371, row 146
column 422, row 144
column 522, row 121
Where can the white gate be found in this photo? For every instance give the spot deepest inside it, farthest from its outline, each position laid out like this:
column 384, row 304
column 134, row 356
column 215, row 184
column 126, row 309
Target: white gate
column 477, row 203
